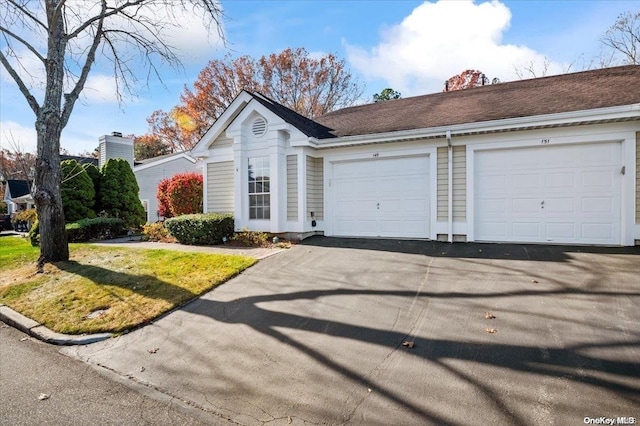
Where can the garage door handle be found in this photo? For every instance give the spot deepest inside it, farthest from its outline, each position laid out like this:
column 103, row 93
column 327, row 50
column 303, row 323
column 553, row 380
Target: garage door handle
column 378, row 206
column 542, row 204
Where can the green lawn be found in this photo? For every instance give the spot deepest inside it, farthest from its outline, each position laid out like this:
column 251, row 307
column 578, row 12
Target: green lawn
column 107, row 289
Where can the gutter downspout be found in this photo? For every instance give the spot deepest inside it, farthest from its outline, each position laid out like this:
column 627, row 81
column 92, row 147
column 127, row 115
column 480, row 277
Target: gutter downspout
column 450, row 187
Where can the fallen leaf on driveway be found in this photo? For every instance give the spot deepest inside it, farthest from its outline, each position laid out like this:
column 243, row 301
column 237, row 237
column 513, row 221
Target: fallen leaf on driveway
column 369, row 389
column 490, row 330
column 153, row 351
column 408, row 344
column 534, row 281
column 289, row 420
column 44, row 396
column 142, row 369
column 489, row 315
column 24, row 338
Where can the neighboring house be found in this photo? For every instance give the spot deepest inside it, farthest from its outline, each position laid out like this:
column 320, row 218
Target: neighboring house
column 81, row 160
column 150, row 172
column 17, row 195
column 546, row 160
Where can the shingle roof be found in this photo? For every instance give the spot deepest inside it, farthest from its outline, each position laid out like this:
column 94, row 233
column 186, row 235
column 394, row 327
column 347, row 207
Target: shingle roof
column 555, row 94
column 300, row 122
column 18, row 188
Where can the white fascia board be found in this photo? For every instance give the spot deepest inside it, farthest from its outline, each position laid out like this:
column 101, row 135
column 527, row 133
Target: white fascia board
column 275, row 122
column 609, row 114
column 239, row 103
column 164, row 160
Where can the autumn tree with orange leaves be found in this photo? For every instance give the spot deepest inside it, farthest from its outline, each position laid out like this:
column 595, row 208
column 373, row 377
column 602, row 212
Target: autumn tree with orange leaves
column 309, row 85
column 467, row 79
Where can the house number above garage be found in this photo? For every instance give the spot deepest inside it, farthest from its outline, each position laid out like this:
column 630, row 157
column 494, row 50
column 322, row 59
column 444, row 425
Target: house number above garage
column 545, row 141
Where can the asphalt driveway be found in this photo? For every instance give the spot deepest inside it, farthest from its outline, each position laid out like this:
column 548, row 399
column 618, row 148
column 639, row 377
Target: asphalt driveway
column 314, row 335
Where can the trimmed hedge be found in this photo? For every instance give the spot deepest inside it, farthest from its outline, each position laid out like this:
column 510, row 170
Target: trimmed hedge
column 201, row 229
column 96, row 228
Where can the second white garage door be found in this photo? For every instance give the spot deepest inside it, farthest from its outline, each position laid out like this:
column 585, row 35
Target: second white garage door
column 558, row 194
column 381, row 198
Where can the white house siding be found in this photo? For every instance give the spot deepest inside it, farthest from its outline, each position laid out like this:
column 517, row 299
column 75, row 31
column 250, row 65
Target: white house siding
column 443, row 186
column 292, row 187
column 149, row 176
column 220, row 186
column 315, row 188
column 638, row 178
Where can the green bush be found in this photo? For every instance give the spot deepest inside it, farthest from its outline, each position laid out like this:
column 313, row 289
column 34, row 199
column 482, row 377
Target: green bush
column 252, row 238
column 202, row 229
column 96, row 228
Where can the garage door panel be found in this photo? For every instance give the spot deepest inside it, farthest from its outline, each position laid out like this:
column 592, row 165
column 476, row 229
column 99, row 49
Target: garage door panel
column 578, row 201
column 598, row 205
column 525, row 181
column 561, row 230
column 559, row 181
column 525, row 206
column 559, row 206
column 593, row 179
column 525, row 229
column 598, row 231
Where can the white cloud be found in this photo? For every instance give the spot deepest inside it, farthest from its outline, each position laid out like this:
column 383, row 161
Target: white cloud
column 16, row 137
column 439, row 40
column 100, row 88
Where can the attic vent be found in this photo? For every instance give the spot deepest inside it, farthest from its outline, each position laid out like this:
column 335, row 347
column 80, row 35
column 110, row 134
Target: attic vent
column 259, row 127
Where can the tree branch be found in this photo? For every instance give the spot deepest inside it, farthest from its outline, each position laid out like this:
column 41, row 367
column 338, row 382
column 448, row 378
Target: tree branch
column 103, row 14
column 33, row 103
column 70, row 98
column 24, row 42
column 28, row 14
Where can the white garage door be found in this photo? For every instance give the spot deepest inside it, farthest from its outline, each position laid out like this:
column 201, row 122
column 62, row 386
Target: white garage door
column 381, row 198
column 559, row 194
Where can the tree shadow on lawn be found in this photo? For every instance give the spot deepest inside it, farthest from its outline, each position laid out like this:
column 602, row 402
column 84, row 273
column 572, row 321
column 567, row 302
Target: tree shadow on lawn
column 145, row 285
column 565, row 363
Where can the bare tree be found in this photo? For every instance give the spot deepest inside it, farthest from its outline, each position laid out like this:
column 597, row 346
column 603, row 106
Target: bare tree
column 622, row 40
column 64, row 38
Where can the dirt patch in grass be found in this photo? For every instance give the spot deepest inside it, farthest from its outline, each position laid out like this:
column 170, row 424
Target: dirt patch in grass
column 105, row 289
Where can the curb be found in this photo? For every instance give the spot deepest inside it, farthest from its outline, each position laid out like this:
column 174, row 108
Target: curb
column 40, row 332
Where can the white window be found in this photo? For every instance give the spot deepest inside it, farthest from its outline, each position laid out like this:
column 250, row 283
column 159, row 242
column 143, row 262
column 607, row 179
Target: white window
column 259, row 188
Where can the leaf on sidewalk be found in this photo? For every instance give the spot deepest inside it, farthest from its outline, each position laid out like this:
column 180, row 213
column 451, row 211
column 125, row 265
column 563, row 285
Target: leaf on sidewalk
column 489, row 315
column 490, row 330
column 153, row 350
column 408, row 344
column 44, row 396
column 534, row 281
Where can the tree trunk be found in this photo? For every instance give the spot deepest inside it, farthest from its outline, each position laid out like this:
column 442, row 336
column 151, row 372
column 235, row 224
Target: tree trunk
column 53, row 236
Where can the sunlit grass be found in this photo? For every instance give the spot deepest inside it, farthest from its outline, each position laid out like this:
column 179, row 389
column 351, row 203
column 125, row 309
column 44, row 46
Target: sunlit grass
column 105, row 289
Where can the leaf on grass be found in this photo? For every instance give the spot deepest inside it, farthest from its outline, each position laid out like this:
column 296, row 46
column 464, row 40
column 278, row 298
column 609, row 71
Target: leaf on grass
column 153, row 350
column 490, row 330
column 489, row 315
column 43, row 396
column 408, row 344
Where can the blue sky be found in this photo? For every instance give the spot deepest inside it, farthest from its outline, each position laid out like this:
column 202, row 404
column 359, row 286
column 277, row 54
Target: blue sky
column 411, row 46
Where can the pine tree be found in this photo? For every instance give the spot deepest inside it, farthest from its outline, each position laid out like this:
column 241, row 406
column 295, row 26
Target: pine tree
column 119, row 193
column 78, row 193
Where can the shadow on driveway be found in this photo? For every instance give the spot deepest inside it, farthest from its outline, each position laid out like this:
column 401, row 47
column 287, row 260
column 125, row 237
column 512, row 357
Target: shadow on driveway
column 534, row 252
